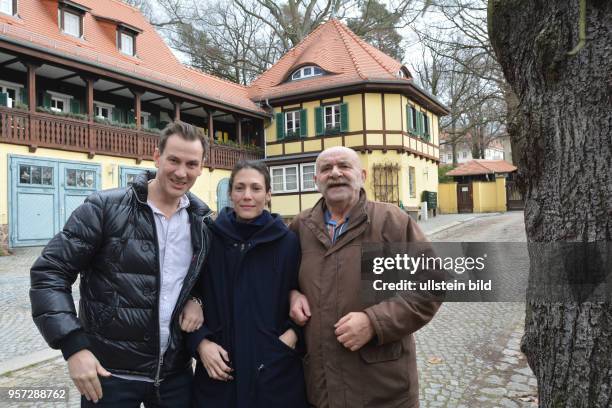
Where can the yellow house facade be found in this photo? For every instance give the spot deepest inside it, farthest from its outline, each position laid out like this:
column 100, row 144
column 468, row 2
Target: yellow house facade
column 391, row 122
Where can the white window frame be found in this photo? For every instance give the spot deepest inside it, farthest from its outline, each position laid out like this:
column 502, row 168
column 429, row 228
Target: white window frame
column 295, row 115
column 102, row 105
column 6, row 7
column 464, row 154
column 335, row 108
column 300, row 73
column 80, row 23
column 284, row 170
column 17, row 88
column 449, row 157
column 132, row 39
column 56, row 96
column 302, row 181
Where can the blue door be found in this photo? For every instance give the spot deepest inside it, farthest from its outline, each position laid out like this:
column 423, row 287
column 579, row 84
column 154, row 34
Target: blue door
column 34, row 202
column 43, row 194
column 128, row 174
column 77, row 182
column 223, row 194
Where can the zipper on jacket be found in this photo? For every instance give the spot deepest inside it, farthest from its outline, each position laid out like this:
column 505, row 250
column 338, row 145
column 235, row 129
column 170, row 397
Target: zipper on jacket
column 160, row 357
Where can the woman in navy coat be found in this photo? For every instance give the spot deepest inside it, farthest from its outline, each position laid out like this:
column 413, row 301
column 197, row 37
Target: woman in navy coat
column 247, row 350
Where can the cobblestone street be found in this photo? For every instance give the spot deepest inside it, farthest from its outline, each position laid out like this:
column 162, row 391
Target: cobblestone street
column 468, row 356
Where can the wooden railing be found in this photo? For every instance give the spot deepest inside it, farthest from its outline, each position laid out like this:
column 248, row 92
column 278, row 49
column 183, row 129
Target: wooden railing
column 57, row 132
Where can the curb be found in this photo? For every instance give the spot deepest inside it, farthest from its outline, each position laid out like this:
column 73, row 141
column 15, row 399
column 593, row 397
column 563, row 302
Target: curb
column 456, row 223
column 21, row 362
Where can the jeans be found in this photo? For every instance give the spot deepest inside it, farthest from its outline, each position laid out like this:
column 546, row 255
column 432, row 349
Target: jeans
column 174, row 392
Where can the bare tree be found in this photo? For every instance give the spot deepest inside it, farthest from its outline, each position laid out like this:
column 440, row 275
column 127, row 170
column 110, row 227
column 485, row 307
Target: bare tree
column 565, row 96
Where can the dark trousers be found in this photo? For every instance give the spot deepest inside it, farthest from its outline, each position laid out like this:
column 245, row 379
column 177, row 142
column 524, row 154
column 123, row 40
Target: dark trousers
column 174, row 392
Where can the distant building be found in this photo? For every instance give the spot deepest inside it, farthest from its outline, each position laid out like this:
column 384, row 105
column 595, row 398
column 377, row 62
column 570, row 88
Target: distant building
column 495, row 151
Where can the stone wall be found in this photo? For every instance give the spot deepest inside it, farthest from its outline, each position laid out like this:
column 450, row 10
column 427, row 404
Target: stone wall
column 4, row 239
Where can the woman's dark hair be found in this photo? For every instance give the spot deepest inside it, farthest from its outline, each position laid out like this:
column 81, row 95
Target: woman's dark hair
column 251, row 164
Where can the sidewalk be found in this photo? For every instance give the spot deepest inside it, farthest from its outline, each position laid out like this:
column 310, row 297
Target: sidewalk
column 445, row 221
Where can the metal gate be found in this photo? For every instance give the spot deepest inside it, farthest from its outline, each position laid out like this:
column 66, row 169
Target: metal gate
column 43, row 194
column 464, row 198
column 514, row 198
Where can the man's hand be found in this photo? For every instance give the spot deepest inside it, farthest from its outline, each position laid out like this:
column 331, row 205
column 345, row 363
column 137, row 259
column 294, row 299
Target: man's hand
column 299, row 309
column 215, row 360
column 354, row 330
column 84, row 369
column 289, row 338
column 192, row 316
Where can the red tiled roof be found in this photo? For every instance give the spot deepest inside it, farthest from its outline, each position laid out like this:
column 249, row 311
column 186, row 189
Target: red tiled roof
column 336, row 49
column 154, row 61
column 480, row 166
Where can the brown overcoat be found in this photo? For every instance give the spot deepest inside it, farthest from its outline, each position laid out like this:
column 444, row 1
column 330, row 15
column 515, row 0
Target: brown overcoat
column 383, row 373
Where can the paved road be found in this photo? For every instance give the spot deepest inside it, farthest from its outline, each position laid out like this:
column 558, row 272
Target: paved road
column 468, row 356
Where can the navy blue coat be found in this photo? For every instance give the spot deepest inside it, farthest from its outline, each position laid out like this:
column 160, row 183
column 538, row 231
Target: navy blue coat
column 245, row 288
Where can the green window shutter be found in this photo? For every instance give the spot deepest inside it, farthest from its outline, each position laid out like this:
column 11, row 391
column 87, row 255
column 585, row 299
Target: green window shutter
column 419, row 129
column 409, row 117
column 319, row 120
column 131, row 119
column 3, row 99
column 152, row 122
column 47, row 100
column 24, row 95
column 280, row 126
column 116, row 115
column 303, row 123
column 344, row 117
column 75, row 106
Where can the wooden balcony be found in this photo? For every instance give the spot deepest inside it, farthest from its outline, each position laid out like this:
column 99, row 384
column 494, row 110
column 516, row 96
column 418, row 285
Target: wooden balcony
column 57, row 132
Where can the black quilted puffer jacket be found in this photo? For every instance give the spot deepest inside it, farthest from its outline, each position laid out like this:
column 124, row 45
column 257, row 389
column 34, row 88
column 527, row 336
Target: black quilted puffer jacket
column 110, row 240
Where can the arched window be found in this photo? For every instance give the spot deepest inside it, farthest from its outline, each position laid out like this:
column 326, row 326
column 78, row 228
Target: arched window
column 306, row 72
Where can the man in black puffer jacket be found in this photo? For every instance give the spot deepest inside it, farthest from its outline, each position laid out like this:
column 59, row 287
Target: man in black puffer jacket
column 138, row 251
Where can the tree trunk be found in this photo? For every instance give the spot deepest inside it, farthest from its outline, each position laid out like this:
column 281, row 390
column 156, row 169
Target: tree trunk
column 565, row 130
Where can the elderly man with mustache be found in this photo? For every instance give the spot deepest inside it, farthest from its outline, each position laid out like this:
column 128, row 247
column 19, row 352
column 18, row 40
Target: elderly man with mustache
column 357, row 356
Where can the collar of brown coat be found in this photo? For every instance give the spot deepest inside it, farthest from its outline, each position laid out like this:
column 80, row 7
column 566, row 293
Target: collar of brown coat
column 358, row 222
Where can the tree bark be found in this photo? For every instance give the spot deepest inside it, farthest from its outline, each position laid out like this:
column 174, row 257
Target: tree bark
column 565, row 131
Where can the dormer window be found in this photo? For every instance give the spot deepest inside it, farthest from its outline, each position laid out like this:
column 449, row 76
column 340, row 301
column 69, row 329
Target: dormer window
column 8, row 6
column 306, row 72
column 126, row 43
column 70, row 17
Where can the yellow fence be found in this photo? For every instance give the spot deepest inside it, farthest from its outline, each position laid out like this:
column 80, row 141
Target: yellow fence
column 486, row 196
column 447, row 198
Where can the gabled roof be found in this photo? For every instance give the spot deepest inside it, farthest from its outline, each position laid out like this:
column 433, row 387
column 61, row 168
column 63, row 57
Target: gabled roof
column 480, row 166
column 37, row 24
column 336, row 49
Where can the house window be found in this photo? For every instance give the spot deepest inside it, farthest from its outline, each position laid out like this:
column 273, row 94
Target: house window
column 71, row 23
column 307, row 173
column 12, row 91
column 412, row 181
column 126, row 43
column 60, row 102
column 332, row 116
column 449, row 157
column 284, row 179
column 145, row 119
column 464, row 154
column 103, row 110
column 78, row 178
column 426, row 124
column 40, row 175
column 292, row 123
column 6, row 6
column 414, row 118
column 306, row 72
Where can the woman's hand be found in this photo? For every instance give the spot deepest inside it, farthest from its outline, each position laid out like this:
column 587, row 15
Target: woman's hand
column 192, row 316
column 289, row 338
column 299, row 309
column 215, row 360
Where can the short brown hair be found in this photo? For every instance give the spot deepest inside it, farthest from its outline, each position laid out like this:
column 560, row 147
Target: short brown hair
column 186, row 132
